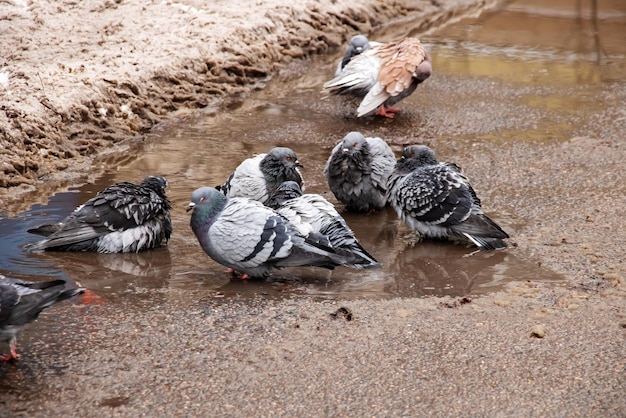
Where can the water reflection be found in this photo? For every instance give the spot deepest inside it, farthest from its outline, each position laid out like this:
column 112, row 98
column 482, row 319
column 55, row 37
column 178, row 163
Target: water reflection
column 563, row 42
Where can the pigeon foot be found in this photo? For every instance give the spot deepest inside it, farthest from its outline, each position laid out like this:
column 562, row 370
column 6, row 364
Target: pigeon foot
column 237, row 275
column 388, row 112
column 12, row 355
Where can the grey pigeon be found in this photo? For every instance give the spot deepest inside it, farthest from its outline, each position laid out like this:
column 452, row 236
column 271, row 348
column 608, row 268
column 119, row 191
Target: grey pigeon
column 257, row 177
column 122, row 218
column 358, row 170
column 382, row 75
column 252, row 239
column 436, row 200
column 358, row 44
column 313, row 213
column 21, row 303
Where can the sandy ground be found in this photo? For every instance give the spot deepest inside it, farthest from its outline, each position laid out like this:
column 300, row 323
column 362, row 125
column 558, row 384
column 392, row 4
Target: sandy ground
column 114, row 69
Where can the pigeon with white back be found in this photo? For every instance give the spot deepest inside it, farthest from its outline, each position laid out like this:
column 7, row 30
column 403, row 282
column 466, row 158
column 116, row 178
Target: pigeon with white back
column 21, row 302
column 358, row 44
column 122, row 218
column 382, row 74
column 437, row 201
column 253, row 239
column 313, row 213
column 358, row 170
column 257, row 177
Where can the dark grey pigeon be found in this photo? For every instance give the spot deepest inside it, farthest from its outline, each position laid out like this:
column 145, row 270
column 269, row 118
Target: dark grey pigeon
column 358, row 170
column 21, row 303
column 257, row 177
column 436, row 200
column 382, row 75
column 358, row 44
column 122, row 218
column 252, row 239
column 313, row 213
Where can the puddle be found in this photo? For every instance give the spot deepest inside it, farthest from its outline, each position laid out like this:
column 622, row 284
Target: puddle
column 495, row 81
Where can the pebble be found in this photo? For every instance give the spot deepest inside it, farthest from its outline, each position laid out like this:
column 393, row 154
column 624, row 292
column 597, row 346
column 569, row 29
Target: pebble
column 538, row 331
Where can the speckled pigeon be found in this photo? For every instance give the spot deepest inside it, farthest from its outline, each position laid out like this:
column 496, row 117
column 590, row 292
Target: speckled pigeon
column 383, row 74
column 252, row 239
column 257, row 177
column 313, row 213
column 358, row 170
column 358, row 44
column 122, row 218
column 436, row 200
column 21, row 303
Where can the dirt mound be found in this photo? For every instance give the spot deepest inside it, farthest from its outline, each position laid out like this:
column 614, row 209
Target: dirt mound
column 78, row 78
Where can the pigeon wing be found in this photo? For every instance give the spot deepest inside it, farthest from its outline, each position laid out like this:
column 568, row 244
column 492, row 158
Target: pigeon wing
column 383, row 162
column 248, row 234
column 357, row 77
column 247, row 180
column 398, row 66
column 434, row 195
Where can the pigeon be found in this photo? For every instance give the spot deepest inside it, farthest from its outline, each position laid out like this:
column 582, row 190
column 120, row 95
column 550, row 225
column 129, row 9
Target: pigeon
column 358, row 170
column 257, row 177
column 21, row 303
column 122, row 218
column 383, row 74
column 253, row 239
column 358, row 44
column 436, row 200
column 313, row 213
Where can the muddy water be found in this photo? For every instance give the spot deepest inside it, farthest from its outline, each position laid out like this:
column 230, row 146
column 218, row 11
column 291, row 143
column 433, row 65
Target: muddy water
column 496, row 81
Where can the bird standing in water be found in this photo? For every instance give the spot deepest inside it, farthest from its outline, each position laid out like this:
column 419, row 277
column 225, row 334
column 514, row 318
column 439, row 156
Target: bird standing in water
column 257, row 177
column 358, row 170
column 253, row 239
column 122, row 218
column 437, row 201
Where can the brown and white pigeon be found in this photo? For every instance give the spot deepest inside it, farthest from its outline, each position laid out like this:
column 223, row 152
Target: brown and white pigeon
column 437, row 201
column 383, row 74
column 122, row 218
column 21, row 303
column 257, row 177
column 358, row 170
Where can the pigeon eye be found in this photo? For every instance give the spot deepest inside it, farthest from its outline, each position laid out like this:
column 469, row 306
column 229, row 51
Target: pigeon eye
column 289, row 159
column 202, row 199
column 412, row 155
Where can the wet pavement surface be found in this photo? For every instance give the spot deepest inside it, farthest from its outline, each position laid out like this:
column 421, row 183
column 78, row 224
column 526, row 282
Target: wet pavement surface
column 497, row 84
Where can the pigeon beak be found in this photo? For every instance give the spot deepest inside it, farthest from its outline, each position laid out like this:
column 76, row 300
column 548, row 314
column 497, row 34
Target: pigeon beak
column 297, row 163
column 190, row 206
column 345, row 150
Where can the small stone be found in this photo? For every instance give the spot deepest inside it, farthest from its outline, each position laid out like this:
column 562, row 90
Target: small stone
column 615, row 279
column 503, row 302
column 538, row 331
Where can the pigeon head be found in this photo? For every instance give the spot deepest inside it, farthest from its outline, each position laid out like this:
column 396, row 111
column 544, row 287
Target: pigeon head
column 156, row 183
column 424, row 70
column 206, row 203
column 354, row 145
column 415, row 156
column 421, row 153
column 280, row 164
column 286, row 191
column 358, row 44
